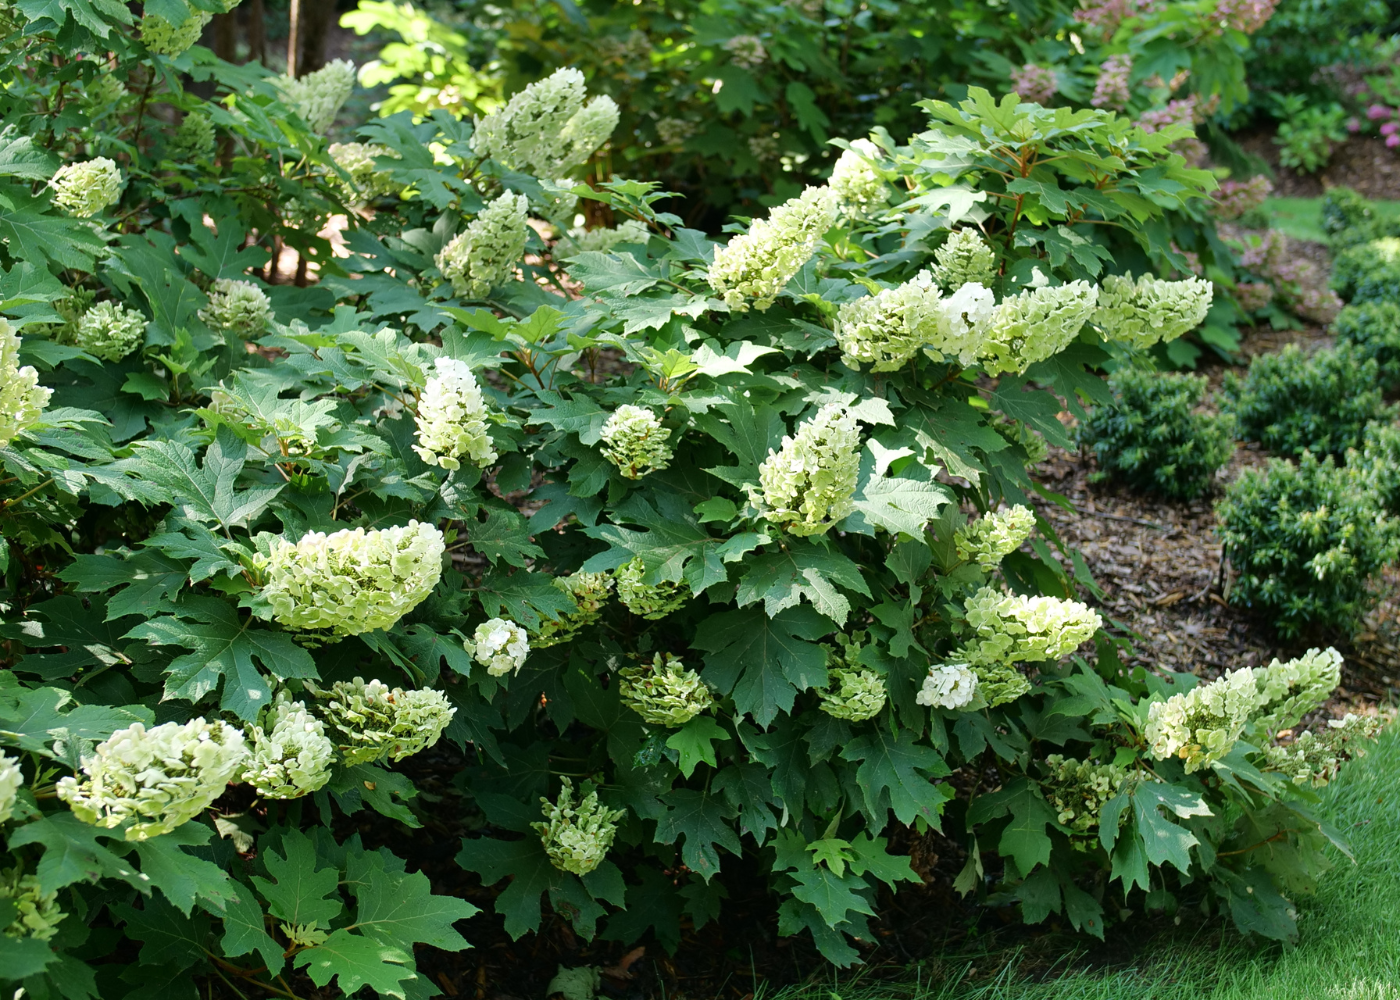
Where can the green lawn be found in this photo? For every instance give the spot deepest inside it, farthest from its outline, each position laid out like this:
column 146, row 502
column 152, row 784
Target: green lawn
column 1301, row 218
column 1350, row 931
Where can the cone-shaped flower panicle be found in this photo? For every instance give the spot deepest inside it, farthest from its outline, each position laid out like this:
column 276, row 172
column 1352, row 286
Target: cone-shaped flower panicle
column 1078, row 790
column 1202, row 725
column 759, row 264
column 1289, row 691
column 318, row 97
column 1314, row 758
column 547, row 129
column 22, row 398
column 858, row 185
column 153, row 780
column 290, row 755
column 110, row 331
column 994, row 536
column 1150, row 310
column 452, row 418
column 601, row 240
column 577, row 837
column 353, row 580
column 649, row 600
column 371, row 721
column 808, row 485
column 484, row 255
column 84, row 189
column 635, row 441
column 166, row 39
column 664, row 692
column 1035, row 324
column 367, row 181
column 854, row 692
column 964, row 258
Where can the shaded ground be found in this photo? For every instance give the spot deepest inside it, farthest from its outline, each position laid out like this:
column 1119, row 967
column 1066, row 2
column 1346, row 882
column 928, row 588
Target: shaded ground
column 1361, row 162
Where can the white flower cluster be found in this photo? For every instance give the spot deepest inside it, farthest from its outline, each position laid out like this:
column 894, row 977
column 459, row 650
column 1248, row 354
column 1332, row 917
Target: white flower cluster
column 653, row 601
column 853, row 692
column 664, row 692
column 546, row 129
column 994, row 536
column 577, row 838
column 1202, row 725
column 1289, row 691
column 964, row 258
column 11, row 781
column 1035, row 324
column 891, row 326
column 1150, row 310
column 1018, row 629
column 635, row 441
column 1078, row 790
column 194, row 139
column 759, row 264
column 153, row 780
column 746, row 51
column 452, row 418
column 808, row 486
column 237, row 307
column 110, row 331
column 858, row 185
column 318, row 97
column 377, row 722
column 500, row 646
column 84, row 189
column 367, row 181
column 166, row 39
column 948, row 685
column 22, row 398
column 485, row 253
column 1314, row 758
column 601, row 240
column 291, row 755
column 353, row 581
column 38, row 914
column 590, row 592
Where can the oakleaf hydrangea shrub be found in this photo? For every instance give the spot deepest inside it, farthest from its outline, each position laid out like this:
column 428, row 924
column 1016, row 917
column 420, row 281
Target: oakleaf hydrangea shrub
column 1155, row 436
column 228, row 548
column 1305, row 540
column 1292, row 401
column 1372, row 330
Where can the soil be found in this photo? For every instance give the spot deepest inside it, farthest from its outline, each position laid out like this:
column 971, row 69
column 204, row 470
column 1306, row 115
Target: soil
column 1364, row 163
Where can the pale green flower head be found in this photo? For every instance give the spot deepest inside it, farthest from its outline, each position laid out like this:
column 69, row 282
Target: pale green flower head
column 194, row 139
column 238, row 307
column 1078, row 790
column 1289, row 691
column 858, row 185
column 949, row 685
column 367, row 181
column 888, row 328
column 110, row 331
column 1201, row 726
column 999, row 683
column 11, row 781
column 318, row 97
column 22, row 398
column 759, row 264
column 546, row 129
column 166, row 39
column 453, row 418
column 104, row 95
column 601, row 240
column 808, row 486
column 39, row 914
column 484, row 255
column 1314, row 758
column 635, row 441
column 291, row 755
column 1011, row 628
column 153, row 780
column 590, row 592
column 85, row 189
column 964, row 258
column 376, row 722
column 1035, row 324
column 653, row 601
column 577, row 838
column 664, row 692
column 994, row 536
column 500, row 646
column 1150, row 310
column 746, row 51
column 353, row 580
column 853, row 692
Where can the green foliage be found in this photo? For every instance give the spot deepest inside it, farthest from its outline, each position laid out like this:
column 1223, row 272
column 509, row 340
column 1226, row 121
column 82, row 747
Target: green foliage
column 1368, row 272
column 1372, row 329
column 1154, row 435
column 154, row 504
column 1306, row 540
column 1308, row 133
column 1294, row 401
column 1379, row 461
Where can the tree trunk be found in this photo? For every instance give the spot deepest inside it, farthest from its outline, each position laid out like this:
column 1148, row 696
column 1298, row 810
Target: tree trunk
column 317, row 16
column 257, row 33
column 226, row 36
column 293, row 37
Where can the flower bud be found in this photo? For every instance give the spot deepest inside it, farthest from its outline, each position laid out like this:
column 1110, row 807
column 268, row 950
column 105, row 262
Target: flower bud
column 110, row 331
column 759, row 264
column 1149, row 310
column 38, row 914
column 452, row 418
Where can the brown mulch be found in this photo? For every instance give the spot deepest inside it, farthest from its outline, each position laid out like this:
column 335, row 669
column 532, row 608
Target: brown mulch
column 1361, row 162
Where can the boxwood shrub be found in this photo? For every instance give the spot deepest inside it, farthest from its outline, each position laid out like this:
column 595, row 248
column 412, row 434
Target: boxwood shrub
column 1373, row 329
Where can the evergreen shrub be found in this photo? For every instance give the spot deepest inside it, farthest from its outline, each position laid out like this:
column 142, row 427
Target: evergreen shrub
column 1372, row 329
column 1155, row 437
